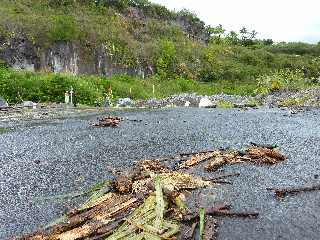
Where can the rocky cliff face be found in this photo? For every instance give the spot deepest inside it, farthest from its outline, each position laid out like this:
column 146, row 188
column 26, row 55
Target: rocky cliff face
column 61, row 57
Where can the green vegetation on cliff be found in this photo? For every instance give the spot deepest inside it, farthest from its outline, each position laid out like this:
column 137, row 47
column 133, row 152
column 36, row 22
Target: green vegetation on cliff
column 185, row 55
column 16, row 86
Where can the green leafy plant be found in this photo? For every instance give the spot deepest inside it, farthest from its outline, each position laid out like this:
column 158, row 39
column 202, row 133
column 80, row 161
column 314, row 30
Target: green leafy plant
column 283, row 79
column 63, row 28
column 225, row 104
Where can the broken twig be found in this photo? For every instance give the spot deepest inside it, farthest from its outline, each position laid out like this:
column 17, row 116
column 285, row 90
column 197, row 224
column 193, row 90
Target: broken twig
column 281, row 193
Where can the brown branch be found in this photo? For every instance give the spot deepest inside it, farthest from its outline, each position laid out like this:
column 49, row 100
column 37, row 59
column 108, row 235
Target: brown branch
column 222, row 210
column 268, row 146
column 281, row 193
column 234, row 214
column 223, row 177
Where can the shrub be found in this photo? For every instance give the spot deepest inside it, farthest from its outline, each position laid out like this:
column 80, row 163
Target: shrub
column 166, row 59
column 293, row 102
column 225, row 104
column 282, row 79
column 63, row 28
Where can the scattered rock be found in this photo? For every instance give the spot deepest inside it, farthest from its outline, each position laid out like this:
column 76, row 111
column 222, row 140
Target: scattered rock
column 292, row 99
column 206, row 103
column 125, row 102
column 3, row 103
column 28, row 104
column 193, row 100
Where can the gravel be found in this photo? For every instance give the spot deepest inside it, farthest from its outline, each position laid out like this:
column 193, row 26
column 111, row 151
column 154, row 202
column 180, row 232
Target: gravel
column 194, row 99
column 304, row 98
column 53, row 157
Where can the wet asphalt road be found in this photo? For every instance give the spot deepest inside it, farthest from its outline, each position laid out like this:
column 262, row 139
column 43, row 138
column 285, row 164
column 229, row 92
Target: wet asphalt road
column 48, row 158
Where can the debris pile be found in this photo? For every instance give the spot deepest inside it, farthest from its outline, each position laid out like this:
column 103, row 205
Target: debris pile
column 107, row 122
column 219, row 158
column 149, row 202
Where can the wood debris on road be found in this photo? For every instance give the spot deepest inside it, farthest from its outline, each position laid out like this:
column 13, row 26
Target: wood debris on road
column 107, row 122
column 148, row 201
column 283, row 192
column 263, row 154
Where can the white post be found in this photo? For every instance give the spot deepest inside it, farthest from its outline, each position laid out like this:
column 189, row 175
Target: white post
column 71, row 96
column 153, row 89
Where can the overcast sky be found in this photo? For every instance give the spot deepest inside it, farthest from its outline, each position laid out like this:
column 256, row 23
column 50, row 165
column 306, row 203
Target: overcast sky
column 281, row 20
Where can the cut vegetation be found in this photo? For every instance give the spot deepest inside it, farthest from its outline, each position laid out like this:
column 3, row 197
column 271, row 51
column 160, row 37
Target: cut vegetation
column 149, row 201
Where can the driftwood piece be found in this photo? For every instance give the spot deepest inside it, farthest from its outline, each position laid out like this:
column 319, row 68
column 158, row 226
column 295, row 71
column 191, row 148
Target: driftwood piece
column 155, row 166
column 92, row 221
column 215, row 164
column 228, row 158
column 268, row 146
column 107, row 122
column 123, row 184
column 198, row 158
column 107, row 230
column 283, row 192
column 265, row 155
column 97, row 221
column 257, row 155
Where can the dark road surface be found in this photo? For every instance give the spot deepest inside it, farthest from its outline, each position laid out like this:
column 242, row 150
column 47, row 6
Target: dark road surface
column 48, row 158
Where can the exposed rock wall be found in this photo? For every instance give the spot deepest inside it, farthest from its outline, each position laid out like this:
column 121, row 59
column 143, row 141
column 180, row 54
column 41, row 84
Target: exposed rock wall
column 61, row 57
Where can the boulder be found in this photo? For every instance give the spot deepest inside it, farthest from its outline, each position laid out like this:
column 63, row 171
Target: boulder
column 205, row 102
column 187, row 104
column 3, row 103
column 125, row 102
column 27, row 104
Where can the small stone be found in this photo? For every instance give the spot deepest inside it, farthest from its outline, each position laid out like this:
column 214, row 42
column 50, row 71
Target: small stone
column 205, row 103
column 28, row 104
column 125, row 102
column 3, row 103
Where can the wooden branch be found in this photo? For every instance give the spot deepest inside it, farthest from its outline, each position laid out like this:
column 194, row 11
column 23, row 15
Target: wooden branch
column 223, row 177
column 268, row 146
column 234, row 214
column 281, row 193
column 222, row 210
